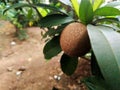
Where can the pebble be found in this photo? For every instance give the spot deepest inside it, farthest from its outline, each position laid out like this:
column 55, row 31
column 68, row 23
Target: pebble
column 18, row 73
column 56, row 77
column 13, row 43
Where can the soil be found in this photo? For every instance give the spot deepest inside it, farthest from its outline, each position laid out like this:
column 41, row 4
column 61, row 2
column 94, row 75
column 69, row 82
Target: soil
column 23, row 67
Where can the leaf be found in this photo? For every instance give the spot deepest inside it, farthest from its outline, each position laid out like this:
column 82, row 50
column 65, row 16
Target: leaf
column 54, row 20
column 17, row 5
column 105, row 44
column 68, row 64
column 52, row 48
column 97, row 4
column 113, row 4
column 92, row 1
column 95, row 83
column 30, row 13
column 107, row 11
column 104, row 20
column 75, row 5
column 85, row 12
column 53, row 8
column 42, row 11
column 46, row 6
column 94, row 67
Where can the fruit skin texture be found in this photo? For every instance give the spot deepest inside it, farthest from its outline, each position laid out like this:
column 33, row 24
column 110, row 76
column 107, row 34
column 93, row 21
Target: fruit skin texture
column 74, row 39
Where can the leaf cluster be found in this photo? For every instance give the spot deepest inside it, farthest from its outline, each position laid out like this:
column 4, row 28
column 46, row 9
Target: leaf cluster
column 98, row 17
column 102, row 22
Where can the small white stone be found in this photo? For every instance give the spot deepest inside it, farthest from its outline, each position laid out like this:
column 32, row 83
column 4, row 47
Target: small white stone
column 18, row 73
column 58, row 78
column 55, row 77
column 13, row 43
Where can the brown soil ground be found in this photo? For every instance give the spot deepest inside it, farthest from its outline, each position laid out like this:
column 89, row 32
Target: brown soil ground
column 23, row 67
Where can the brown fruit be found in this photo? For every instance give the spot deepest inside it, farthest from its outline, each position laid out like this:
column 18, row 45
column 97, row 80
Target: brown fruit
column 74, row 39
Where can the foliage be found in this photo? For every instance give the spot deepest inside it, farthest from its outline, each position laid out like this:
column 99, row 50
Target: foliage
column 102, row 22
column 20, row 15
column 51, row 52
column 95, row 83
column 98, row 18
column 68, row 64
column 108, row 60
column 24, row 13
column 86, row 12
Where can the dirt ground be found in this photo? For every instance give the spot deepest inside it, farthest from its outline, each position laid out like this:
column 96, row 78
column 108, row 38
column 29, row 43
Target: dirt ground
column 23, row 67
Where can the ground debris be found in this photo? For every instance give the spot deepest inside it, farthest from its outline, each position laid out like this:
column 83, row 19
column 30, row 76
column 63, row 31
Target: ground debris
column 9, row 69
column 22, row 68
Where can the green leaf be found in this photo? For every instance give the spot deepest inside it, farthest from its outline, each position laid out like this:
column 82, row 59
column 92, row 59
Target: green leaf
column 85, row 12
column 54, row 20
column 46, row 6
column 95, row 83
column 75, row 5
column 52, row 48
column 17, row 5
column 30, row 13
column 92, row 2
column 105, row 44
column 94, row 67
column 110, row 20
column 113, row 4
column 53, row 8
column 97, row 4
column 42, row 11
column 107, row 11
column 68, row 64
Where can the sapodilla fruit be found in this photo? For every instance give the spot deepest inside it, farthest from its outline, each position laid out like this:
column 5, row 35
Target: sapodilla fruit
column 74, row 39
